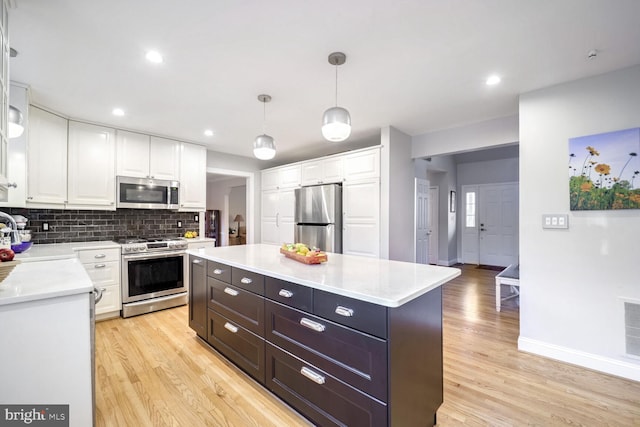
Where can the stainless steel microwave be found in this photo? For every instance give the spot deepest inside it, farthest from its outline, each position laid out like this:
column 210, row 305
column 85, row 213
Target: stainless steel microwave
column 144, row 193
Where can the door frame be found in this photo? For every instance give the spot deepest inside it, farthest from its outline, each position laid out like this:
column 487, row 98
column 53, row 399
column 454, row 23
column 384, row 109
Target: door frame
column 252, row 214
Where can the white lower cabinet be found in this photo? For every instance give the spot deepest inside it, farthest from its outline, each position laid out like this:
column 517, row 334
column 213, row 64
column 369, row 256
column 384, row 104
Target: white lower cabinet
column 278, row 221
column 103, row 267
column 361, row 218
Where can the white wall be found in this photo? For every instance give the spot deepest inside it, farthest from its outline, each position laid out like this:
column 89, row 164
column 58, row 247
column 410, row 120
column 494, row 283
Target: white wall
column 441, row 172
column 491, row 133
column 397, row 196
column 216, row 192
column 488, row 172
column 572, row 281
column 237, row 205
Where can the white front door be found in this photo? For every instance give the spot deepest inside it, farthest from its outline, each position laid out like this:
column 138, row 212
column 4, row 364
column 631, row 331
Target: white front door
column 498, row 224
column 422, row 220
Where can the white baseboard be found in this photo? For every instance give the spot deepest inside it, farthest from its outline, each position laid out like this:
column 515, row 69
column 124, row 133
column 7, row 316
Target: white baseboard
column 446, row 263
column 607, row 365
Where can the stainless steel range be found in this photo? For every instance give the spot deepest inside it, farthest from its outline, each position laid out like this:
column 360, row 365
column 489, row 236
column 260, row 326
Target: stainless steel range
column 153, row 275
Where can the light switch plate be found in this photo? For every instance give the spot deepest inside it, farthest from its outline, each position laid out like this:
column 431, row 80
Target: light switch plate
column 555, row 221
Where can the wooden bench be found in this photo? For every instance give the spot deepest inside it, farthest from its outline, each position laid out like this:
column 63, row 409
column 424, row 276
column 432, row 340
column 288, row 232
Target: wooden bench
column 509, row 276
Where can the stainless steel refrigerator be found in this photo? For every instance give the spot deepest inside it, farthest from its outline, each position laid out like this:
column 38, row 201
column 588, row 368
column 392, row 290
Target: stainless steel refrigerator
column 318, row 217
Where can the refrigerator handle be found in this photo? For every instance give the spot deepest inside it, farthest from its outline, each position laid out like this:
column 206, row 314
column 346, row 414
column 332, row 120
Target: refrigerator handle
column 278, row 219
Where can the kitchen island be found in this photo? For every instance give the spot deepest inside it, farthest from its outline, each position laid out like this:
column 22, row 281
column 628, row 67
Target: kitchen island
column 354, row 341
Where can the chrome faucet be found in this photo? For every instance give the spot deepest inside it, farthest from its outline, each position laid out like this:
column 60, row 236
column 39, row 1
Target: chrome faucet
column 15, row 236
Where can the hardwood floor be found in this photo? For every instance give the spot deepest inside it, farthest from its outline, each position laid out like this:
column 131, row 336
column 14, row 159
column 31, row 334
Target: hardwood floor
column 151, row 370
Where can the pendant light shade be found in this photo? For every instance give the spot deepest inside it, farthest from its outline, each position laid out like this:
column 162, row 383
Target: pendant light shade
column 264, row 147
column 336, row 121
column 16, row 126
column 336, row 124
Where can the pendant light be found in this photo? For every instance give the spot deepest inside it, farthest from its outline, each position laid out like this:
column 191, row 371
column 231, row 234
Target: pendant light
column 16, row 126
column 336, row 121
column 264, row 148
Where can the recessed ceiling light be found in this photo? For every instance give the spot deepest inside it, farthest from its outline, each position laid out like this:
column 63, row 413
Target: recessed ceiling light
column 154, row 56
column 493, row 80
column 118, row 112
column 208, row 132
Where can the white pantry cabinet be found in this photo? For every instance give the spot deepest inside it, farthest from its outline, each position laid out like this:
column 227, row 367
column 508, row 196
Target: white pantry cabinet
column 278, row 221
column 361, row 217
column 323, row 171
column 362, row 164
column 144, row 156
column 193, row 178
column 46, row 159
column 92, row 167
column 281, row 177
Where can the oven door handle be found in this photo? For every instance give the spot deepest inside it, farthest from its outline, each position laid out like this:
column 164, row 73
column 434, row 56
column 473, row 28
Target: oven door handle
column 150, row 255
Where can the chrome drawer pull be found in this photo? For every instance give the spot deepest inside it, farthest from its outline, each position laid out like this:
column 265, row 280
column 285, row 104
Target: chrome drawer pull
column 344, row 311
column 100, row 265
column 98, row 256
column 198, row 261
column 231, row 292
column 313, row 376
column 246, row 281
column 229, row 327
column 285, row 293
column 308, row 323
column 217, row 271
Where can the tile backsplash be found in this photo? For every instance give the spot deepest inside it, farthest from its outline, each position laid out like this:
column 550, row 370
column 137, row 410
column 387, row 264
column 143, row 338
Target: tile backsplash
column 82, row 226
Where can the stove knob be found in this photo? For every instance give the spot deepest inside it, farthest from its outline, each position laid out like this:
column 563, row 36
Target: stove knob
column 126, row 249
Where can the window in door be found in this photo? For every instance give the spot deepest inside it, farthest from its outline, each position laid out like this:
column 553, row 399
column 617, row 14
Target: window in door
column 470, row 209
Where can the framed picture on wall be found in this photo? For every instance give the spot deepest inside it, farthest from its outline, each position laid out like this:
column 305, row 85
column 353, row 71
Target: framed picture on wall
column 452, row 201
column 603, row 169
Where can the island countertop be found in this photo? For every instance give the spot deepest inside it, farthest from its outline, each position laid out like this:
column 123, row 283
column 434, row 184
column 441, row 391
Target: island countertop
column 31, row 281
column 379, row 281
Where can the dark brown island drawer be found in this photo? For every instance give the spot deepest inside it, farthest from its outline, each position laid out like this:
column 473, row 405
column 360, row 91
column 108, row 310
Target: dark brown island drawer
column 288, row 293
column 238, row 305
column 356, row 358
column 248, row 280
column 221, row 272
column 319, row 396
column 240, row 346
column 361, row 315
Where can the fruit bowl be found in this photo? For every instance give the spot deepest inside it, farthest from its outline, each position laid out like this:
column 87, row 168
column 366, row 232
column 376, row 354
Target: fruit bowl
column 21, row 247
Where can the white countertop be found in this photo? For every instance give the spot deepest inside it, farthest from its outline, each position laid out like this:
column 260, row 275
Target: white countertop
column 379, row 281
column 54, row 251
column 30, row 281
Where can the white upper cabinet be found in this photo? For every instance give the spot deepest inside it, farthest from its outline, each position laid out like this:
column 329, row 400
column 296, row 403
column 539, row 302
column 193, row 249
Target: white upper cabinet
column 164, row 159
column 92, row 167
column 362, row 165
column 143, row 156
column 280, row 178
column 46, row 159
column 324, row 171
column 193, row 177
column 4, row 99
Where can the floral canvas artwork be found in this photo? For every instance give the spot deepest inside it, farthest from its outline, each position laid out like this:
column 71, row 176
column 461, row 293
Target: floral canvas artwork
column 604, row 171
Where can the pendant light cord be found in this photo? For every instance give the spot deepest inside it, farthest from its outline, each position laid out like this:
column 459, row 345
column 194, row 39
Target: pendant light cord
column 336, row 85
column 264, row 117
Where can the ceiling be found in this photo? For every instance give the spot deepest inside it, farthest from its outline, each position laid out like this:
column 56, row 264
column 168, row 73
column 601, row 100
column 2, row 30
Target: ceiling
column 417, row 65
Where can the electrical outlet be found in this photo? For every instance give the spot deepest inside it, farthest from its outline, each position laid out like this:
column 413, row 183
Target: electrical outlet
column 45, row 226
column 179, row 224
column 195, row 218
column 555, row 221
